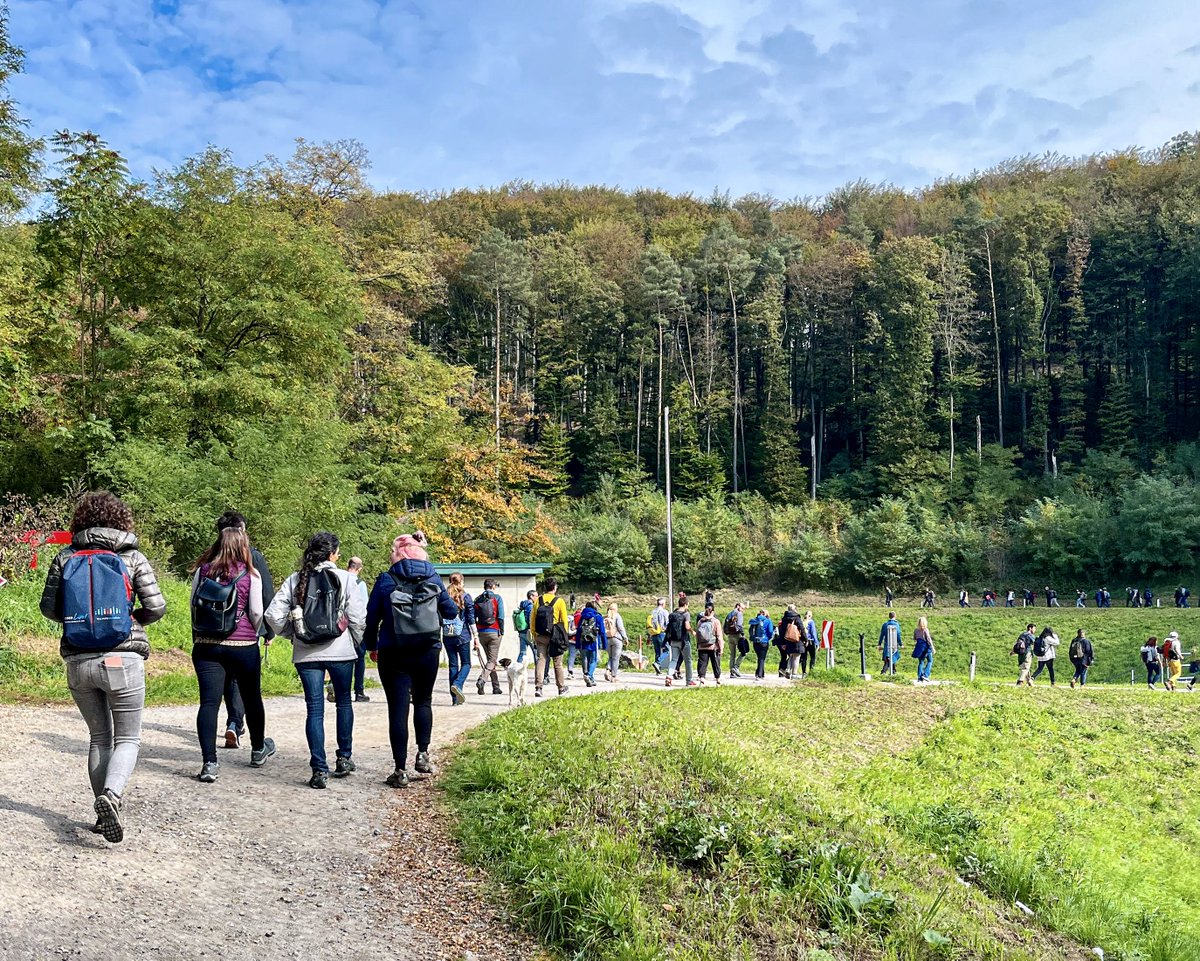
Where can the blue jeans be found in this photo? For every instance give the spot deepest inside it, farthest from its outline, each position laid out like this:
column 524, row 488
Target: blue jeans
column 1081, row 669
column 589, row 663
column 1153, row 673
column 572, row 655
column 312, row 678
column 458, row 652
column 526, row 642
column 924, row 667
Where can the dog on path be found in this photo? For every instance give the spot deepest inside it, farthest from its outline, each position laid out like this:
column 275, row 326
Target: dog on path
column 516, row 679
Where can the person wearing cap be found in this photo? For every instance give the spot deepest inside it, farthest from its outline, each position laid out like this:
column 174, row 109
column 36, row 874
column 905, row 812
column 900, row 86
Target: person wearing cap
column 1173, row 655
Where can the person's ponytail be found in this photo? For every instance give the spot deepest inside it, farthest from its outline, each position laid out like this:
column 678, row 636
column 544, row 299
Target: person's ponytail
column 321, row 546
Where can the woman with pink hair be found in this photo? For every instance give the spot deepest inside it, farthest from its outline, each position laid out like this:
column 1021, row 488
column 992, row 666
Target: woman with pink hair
column 404, row 635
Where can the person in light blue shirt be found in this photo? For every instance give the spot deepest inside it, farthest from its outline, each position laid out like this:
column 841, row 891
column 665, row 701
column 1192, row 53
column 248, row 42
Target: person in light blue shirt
column 657, row 625
column 890, row 643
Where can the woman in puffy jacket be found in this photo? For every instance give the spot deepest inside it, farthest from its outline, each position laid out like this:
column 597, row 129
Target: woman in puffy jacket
column 316, row 657
column 105, row 652
column 408, row 662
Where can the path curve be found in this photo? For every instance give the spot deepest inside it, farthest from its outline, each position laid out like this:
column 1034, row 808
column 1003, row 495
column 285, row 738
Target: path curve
column 256, row 867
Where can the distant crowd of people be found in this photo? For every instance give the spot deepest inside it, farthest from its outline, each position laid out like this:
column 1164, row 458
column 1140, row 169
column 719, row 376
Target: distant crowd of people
column 1134, row 597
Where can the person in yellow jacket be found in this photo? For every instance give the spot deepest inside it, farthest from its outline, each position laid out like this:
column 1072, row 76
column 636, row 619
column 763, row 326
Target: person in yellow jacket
column 550, row 625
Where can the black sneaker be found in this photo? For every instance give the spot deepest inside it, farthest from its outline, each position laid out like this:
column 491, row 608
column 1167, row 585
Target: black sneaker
column 479, row 689
column 398, row 778
column 319, row 779
column 343, row 767
column 108, row 817
column 259, row 758
column 422, row 763
column 209, row 772
column 496, row 690
column 361, row 698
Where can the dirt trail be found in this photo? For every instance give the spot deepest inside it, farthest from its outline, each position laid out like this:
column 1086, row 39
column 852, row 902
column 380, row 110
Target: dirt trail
column 257, row 866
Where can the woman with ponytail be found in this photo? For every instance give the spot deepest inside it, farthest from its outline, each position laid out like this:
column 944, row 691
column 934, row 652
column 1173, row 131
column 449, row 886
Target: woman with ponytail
column 323, row 613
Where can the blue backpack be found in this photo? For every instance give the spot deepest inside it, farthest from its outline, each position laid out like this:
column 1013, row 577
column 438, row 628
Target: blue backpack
column 97, row 601
column 454, row 626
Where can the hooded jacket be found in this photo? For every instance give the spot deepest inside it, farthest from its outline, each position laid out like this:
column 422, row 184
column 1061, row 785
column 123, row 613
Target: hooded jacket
column 145, row 586
column 379, row 633
column 591, row 614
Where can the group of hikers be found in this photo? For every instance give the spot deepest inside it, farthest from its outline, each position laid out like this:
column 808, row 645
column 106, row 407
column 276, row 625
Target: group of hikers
column 1134, row 597
column 103, row 591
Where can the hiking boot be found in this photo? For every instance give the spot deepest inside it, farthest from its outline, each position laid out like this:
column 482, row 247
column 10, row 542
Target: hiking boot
column 1072, row 683
column 422, row 763
column 479, row 688
column 538, row 692
column 259, row 758
column 343, row 767
column 361, row 698
column 496, row 690
column 319, row 780
column 209, row 772
column 329, row 695
column 398, row 778
column 456, row 695
column 108, row 817
column 231, row 738
column 562, row 691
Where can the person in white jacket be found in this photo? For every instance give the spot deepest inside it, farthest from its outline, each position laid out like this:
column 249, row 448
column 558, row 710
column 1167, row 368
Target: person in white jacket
column 321, row 609
column 614, row 626
column 1045, row 649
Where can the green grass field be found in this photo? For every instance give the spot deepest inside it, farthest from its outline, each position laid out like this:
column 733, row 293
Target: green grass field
column 841, row 821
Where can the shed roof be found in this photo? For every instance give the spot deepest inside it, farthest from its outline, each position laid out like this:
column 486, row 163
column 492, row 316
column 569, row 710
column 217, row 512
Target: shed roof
column 534, row 567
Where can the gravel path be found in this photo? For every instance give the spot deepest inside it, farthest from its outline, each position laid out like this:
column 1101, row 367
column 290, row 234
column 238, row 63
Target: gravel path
column 257, row 866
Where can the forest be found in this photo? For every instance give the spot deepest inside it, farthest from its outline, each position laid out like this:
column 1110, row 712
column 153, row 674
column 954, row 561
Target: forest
column 991, row 378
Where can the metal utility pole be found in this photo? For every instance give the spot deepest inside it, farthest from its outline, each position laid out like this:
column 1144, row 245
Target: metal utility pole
column 670, row 550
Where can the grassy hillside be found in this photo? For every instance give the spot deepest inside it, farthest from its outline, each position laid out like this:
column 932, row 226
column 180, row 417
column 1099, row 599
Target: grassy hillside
column 843, row 822
column 31, row 669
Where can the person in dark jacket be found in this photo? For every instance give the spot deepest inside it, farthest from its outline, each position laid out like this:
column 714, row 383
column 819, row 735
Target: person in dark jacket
column 109, row 685
column 790, row 639
column 1082, row 657
column 235, row 707
column 407, row 666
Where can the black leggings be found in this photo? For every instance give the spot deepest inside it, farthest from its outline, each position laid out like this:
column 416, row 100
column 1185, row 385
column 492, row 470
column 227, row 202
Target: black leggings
column 408, row 675
column 710, row 657
column 808, row 658
column 213, row 663
column 1044, row 666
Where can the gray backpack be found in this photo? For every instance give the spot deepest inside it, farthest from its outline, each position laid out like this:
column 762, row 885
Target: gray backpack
column 415, row 615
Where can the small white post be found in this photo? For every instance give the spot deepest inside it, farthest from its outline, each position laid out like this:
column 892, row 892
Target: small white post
column 972, row 675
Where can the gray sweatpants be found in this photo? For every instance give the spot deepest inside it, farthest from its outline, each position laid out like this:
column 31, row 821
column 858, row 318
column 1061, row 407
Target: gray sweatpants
column 681, row 651
column 615, row 647
column 110, row 691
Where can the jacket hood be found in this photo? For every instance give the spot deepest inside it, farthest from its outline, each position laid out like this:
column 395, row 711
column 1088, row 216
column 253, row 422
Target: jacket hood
column 104, row 538
column 412, row 570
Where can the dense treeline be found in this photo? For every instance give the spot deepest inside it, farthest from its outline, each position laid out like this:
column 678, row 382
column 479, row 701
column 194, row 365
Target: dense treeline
column 991, row 376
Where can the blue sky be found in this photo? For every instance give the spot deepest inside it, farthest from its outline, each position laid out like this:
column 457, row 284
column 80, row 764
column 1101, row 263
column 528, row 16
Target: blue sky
column 789, row 98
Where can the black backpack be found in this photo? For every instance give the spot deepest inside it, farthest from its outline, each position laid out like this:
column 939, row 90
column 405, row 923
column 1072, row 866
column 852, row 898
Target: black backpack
column 487, row 612
column 543, row 621
column 415, row 615
column 677, row 626
column 214, row 606
column 1039, row 646
column 324, row 619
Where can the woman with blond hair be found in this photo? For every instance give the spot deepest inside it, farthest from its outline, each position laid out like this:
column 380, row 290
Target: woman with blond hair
column 923, row 649
column 614, row 626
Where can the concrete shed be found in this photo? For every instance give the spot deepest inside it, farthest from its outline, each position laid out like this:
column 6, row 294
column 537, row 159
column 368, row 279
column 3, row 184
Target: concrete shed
column 512, row 583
